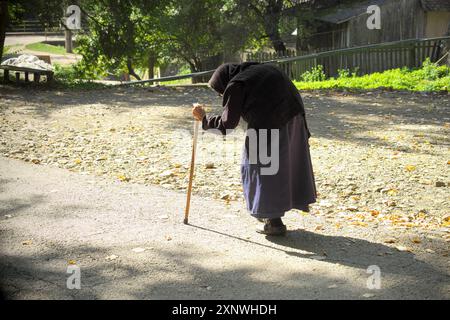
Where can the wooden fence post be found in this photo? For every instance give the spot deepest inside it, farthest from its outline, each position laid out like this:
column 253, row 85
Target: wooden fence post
column 68, row 42
column 5, row 75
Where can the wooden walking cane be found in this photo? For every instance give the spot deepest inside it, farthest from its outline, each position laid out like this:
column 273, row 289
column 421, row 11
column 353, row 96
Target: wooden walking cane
column 191, row 174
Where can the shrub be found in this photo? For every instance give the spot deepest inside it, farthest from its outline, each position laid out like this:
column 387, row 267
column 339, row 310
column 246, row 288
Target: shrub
column 430, row 77
column 71, row 77
column 343, row 73
column 316, row 74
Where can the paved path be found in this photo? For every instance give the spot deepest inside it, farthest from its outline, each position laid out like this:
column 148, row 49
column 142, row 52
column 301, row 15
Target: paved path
column 51, row 217
column 27, row 39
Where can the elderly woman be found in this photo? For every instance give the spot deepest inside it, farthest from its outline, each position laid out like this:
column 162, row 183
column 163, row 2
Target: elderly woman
column 269, row 103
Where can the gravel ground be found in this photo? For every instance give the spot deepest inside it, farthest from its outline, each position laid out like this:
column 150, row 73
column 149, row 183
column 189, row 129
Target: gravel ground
column 381, row 159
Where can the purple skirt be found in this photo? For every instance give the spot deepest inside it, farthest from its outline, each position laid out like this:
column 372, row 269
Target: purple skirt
column 292, row 187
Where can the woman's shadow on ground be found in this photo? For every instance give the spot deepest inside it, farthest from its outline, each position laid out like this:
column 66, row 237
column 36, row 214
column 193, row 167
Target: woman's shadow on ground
column 347, row 251
column 353, row 252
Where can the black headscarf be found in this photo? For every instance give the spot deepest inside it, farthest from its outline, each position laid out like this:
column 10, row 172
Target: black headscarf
column 223, row 75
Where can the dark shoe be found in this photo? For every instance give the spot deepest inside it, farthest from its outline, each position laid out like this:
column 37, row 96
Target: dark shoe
column 273, row 227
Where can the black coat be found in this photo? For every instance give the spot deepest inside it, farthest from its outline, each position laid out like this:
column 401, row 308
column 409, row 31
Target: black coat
column 270, row 99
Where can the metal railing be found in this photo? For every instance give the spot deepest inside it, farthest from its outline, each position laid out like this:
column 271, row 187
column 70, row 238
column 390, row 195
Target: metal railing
column 368, row 59
column 169, row 78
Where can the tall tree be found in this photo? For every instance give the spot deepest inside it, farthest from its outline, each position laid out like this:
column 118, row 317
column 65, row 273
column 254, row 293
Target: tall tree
column 48, row 12
column 191, row 30
column 4, row 16
column 268, row 14
column 273, row 17
column 112, row 39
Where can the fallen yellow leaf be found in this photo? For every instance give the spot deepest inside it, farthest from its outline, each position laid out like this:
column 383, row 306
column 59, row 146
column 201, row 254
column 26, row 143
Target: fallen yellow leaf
column 407, row 224
column 446, row 224
column 121, row 177
column 303, row 213
column 410, row 168
column 416, row 240
column 374, row 213
column 359, row 223
column 392, row 192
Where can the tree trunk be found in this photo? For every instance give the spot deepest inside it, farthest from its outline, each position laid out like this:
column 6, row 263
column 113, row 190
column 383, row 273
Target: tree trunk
column 196, row 66
column 448, row 46
column 4, row 16
column 272, row 17
column 151, row 65
column 278, row 44
column 68, row 43
column 131, row 70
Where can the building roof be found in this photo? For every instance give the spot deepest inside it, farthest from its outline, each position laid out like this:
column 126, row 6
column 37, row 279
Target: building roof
column 435, row 5
column 348, row 11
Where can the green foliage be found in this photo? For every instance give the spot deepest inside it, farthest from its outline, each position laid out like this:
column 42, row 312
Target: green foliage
column 118, row 38
column 65, row 73
column 71, row 77
column 185, row 69
column 316, row 74
column 343, row 73
column 431, row 71
column 191, row 30
column 428, row 78
column 48, row 12
column 94, row 64
column 127, row 35
column 122, row 36
column 270, row 21
column 137, row 34
column 16, row 10
column 346, row 73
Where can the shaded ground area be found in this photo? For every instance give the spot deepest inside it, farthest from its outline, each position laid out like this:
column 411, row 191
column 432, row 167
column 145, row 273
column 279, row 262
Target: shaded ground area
column 381, row 163
column 129, row 242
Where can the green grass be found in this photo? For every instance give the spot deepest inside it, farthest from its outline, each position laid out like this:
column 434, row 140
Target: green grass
column 183, row 70
column 67, row 77
column 10, row 49
column 177, row 82
column 5, row 50
column 429, row 78
column 48, row 48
